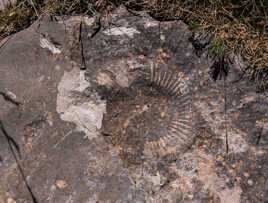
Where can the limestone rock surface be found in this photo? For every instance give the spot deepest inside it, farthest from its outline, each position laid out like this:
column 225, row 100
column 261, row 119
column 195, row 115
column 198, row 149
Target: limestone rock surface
column 124, row 110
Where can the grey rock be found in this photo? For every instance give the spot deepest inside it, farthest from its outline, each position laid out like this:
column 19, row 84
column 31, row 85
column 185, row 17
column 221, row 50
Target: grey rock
column 144, row 122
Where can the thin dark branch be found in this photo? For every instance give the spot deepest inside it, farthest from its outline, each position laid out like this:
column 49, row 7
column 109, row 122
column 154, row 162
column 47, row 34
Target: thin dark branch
column 11, row 143
column 133, row 12
column 159, row 34
column 9, row 99
column 225, row 117
column 10, row 140
column 83, row 63
column 259, row 137
column 97, row 29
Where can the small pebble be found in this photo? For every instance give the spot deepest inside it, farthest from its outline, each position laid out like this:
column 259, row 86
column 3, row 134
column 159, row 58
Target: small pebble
column 12, row 13
column 27, row 129
column 246, row 174
column 29, row 139
column 219, row 158
column 250, row 182
column 238, row 179
column 10, row 200
column 61, row 184
column 141, row 56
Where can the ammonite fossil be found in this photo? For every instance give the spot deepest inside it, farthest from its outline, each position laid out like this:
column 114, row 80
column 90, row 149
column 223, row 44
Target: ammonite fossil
column 150, row 118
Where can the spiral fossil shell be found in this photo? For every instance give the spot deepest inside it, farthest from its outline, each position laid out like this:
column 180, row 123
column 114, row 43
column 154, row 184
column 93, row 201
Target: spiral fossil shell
column 150, row 118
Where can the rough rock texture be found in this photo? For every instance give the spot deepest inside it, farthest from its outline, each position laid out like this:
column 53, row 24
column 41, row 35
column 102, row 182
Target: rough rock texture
column 127, row 112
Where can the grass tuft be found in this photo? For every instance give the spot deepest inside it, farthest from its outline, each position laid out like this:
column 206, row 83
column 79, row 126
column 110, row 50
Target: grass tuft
column 235, row 26
column 217, row 48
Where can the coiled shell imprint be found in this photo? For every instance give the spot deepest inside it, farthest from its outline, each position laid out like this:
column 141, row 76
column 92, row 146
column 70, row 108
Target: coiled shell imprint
column 150, row 118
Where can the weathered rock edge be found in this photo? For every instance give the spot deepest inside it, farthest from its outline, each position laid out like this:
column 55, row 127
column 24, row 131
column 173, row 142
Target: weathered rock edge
column 62, row 102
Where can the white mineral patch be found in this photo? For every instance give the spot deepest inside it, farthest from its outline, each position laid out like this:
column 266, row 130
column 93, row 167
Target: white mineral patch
column 88, row 21
column 236, row 142
column 156, row 179
column 150, row 23
column 44, row 43
column 11, row 94
column 83, row 84
column 121, row 31
column 86, row 114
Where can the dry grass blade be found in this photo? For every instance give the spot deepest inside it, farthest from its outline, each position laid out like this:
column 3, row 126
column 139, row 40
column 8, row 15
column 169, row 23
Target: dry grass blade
column 236, row 26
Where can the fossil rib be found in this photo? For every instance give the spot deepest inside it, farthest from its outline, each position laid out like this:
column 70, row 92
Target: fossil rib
column 152, row 119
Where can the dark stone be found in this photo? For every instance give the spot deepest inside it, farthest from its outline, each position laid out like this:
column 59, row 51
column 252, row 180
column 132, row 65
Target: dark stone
column 127, row 111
